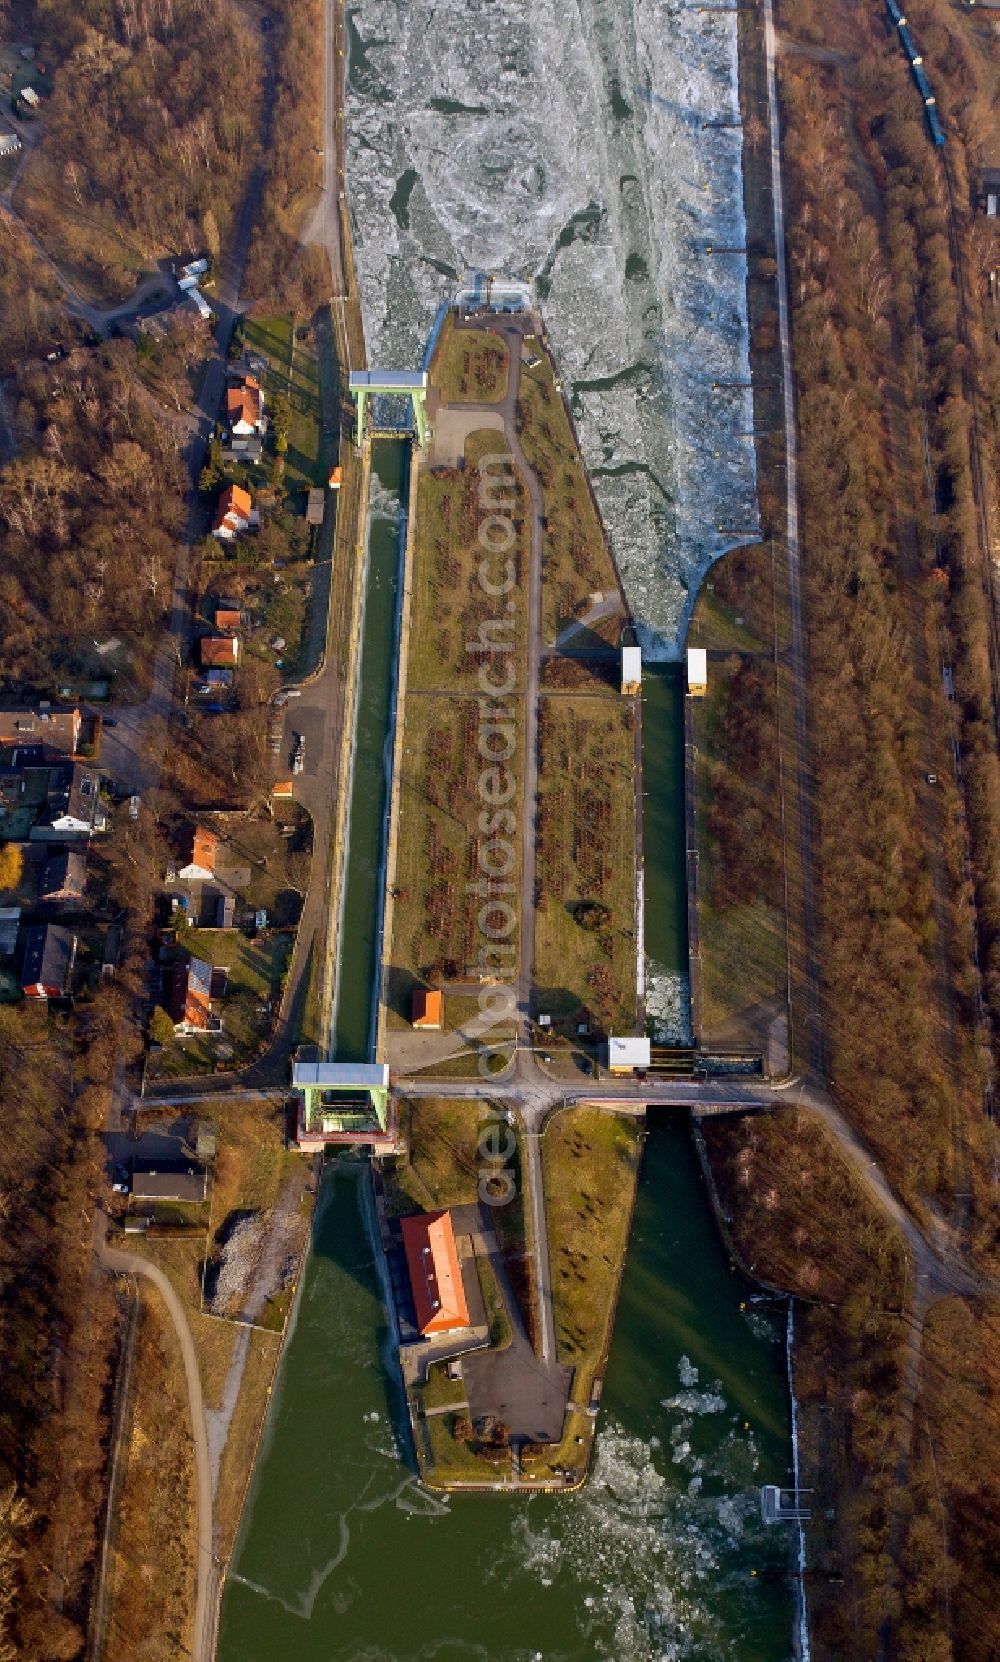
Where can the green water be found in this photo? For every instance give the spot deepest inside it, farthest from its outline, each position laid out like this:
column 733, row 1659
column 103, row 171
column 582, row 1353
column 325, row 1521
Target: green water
column 357, row 973
column 343, row 1557
column 663, row 832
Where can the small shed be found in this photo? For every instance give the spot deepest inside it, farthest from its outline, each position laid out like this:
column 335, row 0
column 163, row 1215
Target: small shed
column 628, row 1054
column 988, row 192
column 314, row 506
column 30, row 97
column 427, row 1008
column 206, row 1140
column 697, row 672
column 631, row 669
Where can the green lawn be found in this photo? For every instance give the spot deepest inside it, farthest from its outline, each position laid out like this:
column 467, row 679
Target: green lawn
column 444, row 1163
column 497, row 1319
column 455, row 1462
column 255, row 971
column 440, row 1391
column 293, row 373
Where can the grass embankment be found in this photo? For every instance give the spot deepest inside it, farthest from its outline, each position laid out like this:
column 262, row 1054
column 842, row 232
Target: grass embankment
column 470, row 365
column 576, row 560
column 152, row 1569
column 591, row 1163
column 787, row 1192
column 585, row 920
column 738, row 809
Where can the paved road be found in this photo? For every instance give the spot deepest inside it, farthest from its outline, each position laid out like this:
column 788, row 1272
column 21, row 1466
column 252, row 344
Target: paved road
column 130, row 1263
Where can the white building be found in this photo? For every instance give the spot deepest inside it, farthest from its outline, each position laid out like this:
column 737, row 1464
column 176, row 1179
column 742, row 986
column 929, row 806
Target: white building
column 697, row 672
column 626, row 1055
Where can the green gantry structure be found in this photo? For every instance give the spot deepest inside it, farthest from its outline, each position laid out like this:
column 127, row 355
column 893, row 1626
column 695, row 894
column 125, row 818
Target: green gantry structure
column 367, row 383
column 340, row 1098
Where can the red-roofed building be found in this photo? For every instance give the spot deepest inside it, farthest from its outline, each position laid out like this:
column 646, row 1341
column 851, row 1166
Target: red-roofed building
column 233, row 514
column 204, row 853
column 221, row 650
column 245, row 407
column 226, row 617
column 427, row 1008
column 435, row 1273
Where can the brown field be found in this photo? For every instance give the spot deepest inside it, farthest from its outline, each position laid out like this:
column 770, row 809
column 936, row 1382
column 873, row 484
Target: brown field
column 470, row 365
column 449, row 602
column 152, row 1568
column 435, row 929
column 585, row 924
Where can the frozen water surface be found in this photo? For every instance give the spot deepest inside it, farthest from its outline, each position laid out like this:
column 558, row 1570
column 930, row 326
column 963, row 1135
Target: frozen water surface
column 568, row 145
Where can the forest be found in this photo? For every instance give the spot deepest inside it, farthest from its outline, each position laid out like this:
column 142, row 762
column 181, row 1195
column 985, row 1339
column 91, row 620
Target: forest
column 90, row 510
column 150, row 132
column 891, row 377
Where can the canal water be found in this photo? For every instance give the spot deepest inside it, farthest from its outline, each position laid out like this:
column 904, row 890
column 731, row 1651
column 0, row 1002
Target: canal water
column 668, row 990
column 344, row 1557
column 361, row 919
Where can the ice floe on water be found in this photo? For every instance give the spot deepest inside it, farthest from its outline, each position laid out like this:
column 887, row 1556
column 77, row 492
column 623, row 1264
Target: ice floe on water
column 668, row 1004
column 656, row 1534
column 574, row 147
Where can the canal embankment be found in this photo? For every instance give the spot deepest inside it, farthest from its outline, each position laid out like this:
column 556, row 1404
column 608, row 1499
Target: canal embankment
column 358, row 930
column 399, row 723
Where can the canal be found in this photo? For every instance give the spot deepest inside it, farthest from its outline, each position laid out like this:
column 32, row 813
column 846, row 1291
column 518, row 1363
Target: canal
column 342, row 1555
column 357, row 982
column 668, row 990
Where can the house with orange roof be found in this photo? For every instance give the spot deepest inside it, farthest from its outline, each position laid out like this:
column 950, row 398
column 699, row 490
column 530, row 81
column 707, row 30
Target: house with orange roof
column 427, row 1008
column 245, row 408
column 234, row 513
column 227, row 617
column 204, row 857
column 435, row 1273
column 218, row 651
